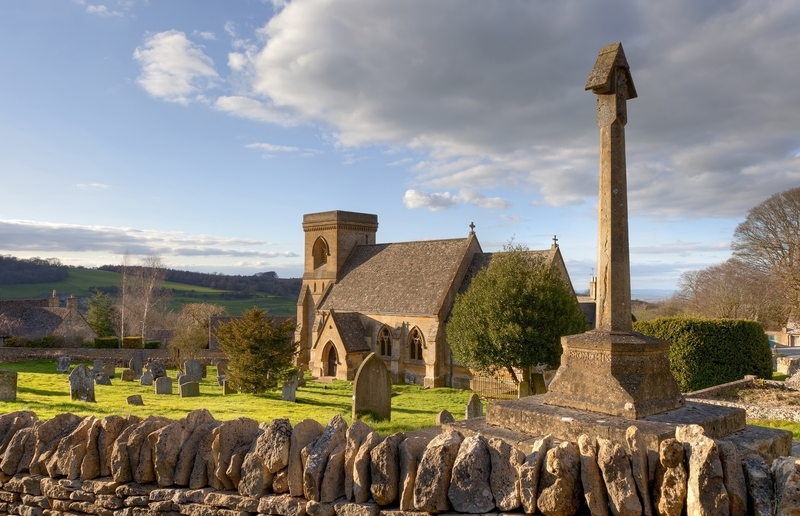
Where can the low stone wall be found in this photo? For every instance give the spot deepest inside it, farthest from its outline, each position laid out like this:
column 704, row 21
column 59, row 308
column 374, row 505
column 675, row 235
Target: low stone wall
column 126, row 466
column 116, row 357
column 786, row 413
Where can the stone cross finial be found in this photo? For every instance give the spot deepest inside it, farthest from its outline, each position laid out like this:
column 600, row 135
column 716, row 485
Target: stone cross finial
column 555, row 241
column 471, row 228
column 611, row 81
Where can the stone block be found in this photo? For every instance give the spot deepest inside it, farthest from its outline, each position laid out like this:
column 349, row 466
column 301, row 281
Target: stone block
column 110, row 370
column 127, row 375
column 163, row 385
column 102, row 378
column 8, row 385
column 227, row 388
column 135, row 399
column 189, row 389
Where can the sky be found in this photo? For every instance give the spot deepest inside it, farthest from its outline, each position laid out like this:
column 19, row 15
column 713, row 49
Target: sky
column 203, row 131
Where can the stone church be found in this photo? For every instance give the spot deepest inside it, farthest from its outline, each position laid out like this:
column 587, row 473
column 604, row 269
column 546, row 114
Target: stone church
column 394, row 299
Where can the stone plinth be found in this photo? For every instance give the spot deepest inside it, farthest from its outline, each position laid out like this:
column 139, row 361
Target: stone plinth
column 615, row 373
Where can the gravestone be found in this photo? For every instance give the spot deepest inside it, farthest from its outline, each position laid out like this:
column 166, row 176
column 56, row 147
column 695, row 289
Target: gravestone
column 163, row 385
column 8, row 385
column 81, row 384
column 62, row 366
column 301, row 379
column 110, row 370
column 135, row 399
column 185, row 378
column 102, row 378
column 189, row 389
column 127, row 375
column 227, row 388
column 97, row 366
column 157, row 369
column 221, row 379
column 372, row 389
column 445, row 418
column 222, row 366
column 193, row 369
column 474, row 407
column 289, row 390
column 146, row 379
column 538, row 385
column 523, row 389
column 136, row 364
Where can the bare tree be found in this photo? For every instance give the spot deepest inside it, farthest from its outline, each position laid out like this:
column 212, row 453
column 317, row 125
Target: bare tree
column 192, row 330
column 148, row 289
column 769, row 239
column 123, row 292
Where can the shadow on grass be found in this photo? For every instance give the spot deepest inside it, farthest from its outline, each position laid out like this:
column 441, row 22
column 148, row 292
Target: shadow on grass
column 42, row 392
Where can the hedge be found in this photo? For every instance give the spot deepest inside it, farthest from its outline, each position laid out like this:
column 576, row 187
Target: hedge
column 132, row 343
column 708, row 352
column 106, row 342
column 152, row 344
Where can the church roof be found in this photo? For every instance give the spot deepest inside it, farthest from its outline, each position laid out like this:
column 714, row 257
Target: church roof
column 350, row 330
column 399, row 278
column 482, row 260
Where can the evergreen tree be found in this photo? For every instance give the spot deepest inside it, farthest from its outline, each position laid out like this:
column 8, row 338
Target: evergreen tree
column 101, row 314
column 513, row 315
column 259, row 348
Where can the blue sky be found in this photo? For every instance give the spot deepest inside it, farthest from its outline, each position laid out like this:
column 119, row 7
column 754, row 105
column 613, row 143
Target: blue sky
column 205, row 130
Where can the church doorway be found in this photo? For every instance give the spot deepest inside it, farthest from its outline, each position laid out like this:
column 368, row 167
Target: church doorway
column 332, row 360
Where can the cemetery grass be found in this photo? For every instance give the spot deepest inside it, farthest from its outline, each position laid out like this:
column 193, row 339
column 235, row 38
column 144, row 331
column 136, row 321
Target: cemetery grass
column 45, row 392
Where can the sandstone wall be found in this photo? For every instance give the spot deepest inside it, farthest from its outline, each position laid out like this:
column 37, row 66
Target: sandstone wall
column 127, row 466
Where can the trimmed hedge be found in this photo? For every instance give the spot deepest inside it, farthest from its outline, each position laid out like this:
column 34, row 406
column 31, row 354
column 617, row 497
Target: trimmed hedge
column 132, row 343
column 152, row 344
column 708, row 352
column 106, row 342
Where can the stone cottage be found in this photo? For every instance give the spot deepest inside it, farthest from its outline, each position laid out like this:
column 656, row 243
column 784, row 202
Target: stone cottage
column 394, row 299
column 38, row 318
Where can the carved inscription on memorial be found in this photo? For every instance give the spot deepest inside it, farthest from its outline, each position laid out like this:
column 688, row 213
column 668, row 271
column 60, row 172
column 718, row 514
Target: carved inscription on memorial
column 589, row 356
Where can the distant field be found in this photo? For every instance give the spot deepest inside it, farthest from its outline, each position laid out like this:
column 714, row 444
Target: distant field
column 80, row 281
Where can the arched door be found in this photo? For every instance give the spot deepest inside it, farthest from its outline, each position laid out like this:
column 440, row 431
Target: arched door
column 333, row 358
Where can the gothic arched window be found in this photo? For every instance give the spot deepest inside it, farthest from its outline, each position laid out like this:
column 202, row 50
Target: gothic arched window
column 385, row 342
column 415, row 344
column 320, row 252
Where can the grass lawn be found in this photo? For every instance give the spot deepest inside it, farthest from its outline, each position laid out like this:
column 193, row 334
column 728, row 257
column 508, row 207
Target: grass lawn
column 275, row 305
column 42, row 390
column 783, row 425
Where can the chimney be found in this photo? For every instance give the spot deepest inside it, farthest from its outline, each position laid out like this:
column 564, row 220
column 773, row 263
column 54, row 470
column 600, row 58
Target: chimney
column 53, row 302
column 593, row 288
column 72, row 303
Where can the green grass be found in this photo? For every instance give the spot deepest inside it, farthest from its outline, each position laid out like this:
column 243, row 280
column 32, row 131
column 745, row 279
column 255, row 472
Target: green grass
column 779, row 376
column 79, row 283
column 42, row 390
column 782, row 425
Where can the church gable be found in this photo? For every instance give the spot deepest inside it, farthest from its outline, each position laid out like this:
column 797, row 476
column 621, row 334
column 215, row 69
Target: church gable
column 400, row 278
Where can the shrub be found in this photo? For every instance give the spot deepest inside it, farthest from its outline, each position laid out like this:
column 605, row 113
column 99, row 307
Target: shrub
column 152, row 344
column 132, row 343
column 50, row 341
column 106, row 342
column 708, row 352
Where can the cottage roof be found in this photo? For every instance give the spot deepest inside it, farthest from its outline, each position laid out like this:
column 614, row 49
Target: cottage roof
column 350, row 330
column 399, row 278
column 34, row 321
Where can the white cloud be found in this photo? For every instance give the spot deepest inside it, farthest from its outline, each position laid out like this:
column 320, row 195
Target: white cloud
column 268, row 147
column 400, row 162
column 102, row 10
column 98, row 186
column 174, row 68
column 237, row 61
column 207, row 35
column 46, row 237
column 246, row 107
column 440, row 201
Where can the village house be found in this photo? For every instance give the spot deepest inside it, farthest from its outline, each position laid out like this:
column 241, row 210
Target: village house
column 38, row 318
column 393, row 299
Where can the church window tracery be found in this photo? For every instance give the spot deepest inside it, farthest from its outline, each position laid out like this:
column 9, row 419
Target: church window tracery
column 385, row 342
column 415, row 344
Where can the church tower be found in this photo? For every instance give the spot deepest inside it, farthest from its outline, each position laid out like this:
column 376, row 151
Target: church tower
column 330, row 236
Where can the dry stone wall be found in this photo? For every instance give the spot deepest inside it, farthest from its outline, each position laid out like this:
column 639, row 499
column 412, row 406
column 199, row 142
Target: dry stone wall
column 128, row 466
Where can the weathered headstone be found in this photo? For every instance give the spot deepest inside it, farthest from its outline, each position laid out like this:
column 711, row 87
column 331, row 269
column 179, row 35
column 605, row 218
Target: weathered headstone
column 227, row 388
column 222, row 366
column 8, row 385
column 523, row 389
column 127, row 375
column 62, row 366
column 185, row 378
column 193, row 369
column 221, row 379
column 157, row 368
column 611, row 369
column 81, row 384
column 372, row 389
column 189, row 389
column 110, row 370
column 538, row 385
column 136, row 363
column 474, row 407
column 163, row 385
column 289, row 390
column 102, row 378
column 97, row 366
column 444, row 418
column 146, row 378
column 135, row 399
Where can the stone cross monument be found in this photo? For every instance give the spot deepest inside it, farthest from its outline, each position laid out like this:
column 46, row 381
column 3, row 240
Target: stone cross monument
column 611, row 369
